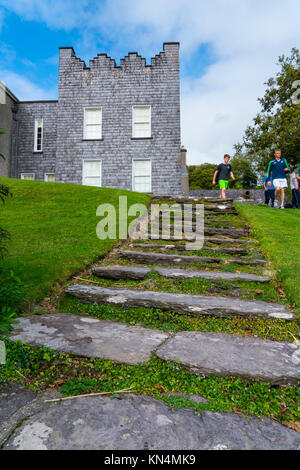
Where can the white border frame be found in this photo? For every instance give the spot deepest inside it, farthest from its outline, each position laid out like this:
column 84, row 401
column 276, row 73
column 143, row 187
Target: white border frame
column 91, row 160
column 35, row 135
column 150, row 122
column 132, row 167
column 45, row 174
column 84, row 123
column 22, row 176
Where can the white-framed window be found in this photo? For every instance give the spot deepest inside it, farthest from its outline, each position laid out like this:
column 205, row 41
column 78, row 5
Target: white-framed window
column 92, row 125
column 49, row 177
column 38, row 135
column 91, row 172
column 27, row 176
column 141, row 121
column 141, row 175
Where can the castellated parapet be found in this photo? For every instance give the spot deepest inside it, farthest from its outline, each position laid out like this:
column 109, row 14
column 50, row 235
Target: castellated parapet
column 114, row 89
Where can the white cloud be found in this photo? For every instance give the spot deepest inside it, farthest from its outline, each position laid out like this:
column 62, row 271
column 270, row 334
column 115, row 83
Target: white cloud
column 246, row 37
column 24, row 89
column 57, row 14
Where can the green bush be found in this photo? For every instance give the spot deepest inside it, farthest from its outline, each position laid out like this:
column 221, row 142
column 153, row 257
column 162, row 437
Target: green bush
column 11, row 295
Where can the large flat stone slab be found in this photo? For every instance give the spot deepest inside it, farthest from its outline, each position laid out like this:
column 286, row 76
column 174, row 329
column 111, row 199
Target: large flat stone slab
column 223, row 354
column 162, row 258
column 90, row 337
column 179, row 303
column 12, row 398
column 231, row 232
column 213, row 275
column 121, row 272
column 139, row 423
column 135, row 272
column 230, row 251
column 228, row 241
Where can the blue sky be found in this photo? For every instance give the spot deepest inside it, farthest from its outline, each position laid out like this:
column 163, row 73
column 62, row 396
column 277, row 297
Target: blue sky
column 228, row 50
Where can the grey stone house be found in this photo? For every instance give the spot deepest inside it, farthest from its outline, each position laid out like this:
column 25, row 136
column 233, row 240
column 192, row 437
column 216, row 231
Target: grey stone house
column 112, row 126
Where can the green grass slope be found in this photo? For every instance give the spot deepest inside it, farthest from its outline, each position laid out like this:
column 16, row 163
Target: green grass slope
column 279, row 234
column 53, row 230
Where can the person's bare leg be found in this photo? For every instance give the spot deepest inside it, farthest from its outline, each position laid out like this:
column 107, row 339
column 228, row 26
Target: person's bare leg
column 223, row 193
column 282, row 197
column 276, row 194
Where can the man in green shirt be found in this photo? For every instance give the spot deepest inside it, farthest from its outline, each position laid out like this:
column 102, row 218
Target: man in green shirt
column 222, row 175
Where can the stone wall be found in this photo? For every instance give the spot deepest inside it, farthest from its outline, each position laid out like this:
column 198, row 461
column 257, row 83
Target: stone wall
column 116, row 90
column 29, row 161
column 7, row 103
column 256, row 194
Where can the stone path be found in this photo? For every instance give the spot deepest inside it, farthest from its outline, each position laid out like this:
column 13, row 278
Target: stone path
column 90, row 337
column 139, row 423
column 133, row 422
column 230, row 251
column 208, row 353
column 180, row 303
column 138, row 272
column 161, row 258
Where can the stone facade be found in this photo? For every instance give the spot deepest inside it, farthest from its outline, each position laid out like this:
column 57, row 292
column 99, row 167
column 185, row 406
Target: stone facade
column 8, row 103
column 116, row 89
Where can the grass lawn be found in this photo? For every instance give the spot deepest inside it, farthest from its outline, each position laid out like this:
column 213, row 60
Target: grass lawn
column 53, row 231
column 278, row 232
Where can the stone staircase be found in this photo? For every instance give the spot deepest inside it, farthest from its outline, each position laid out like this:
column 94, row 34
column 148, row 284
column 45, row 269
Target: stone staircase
column 220, row 354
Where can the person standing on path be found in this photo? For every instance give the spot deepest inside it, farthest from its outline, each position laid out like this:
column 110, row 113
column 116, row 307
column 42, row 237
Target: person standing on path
column 269, row 191
column 295, row 189
column 222, row 175
column 278, row 169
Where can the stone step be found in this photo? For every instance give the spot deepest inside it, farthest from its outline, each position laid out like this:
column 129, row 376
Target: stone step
column 162, row 258
column 89, row 337
column 191, row 199
column 225, row 241
column 221, row 241
column 228, row 232
column 258, row 261
column 237, row 251
column 208, row 209
column 136, row 272
column 221, row 221
column 142, row 422
column 179, row 303
column 224, row 354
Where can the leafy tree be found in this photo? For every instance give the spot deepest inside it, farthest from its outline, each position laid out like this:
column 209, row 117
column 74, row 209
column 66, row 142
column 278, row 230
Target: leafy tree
column 201, row 176
column 243, row 170
column 277, row 125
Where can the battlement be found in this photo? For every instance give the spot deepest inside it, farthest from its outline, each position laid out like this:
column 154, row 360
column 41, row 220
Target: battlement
column 131, row 61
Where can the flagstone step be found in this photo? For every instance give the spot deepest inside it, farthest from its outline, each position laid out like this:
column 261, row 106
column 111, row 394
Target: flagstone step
column 221, row 241
column 162, row 258
column 228, row 232
column 179, row 303
column 142, row 422
column 89, row 337
column 208, row 209
column 191, row 199
column 223, row 354
column 136, row 272
column 237, row 251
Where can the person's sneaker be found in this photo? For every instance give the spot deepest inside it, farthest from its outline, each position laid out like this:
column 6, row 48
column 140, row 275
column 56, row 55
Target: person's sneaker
column 282, row 207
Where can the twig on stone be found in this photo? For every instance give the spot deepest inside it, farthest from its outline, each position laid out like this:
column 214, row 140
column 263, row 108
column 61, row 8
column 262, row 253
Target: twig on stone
column 125, row 390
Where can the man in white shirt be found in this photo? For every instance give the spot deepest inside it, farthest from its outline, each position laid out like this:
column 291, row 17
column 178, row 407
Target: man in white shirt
column 295, row 189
